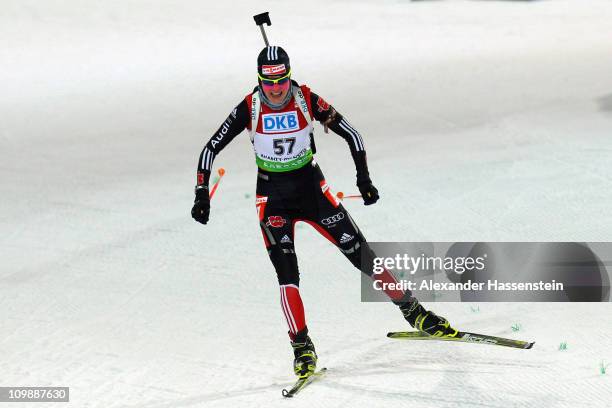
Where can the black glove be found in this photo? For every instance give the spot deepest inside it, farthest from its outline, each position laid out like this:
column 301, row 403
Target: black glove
column 369, row 193
column 201, row 205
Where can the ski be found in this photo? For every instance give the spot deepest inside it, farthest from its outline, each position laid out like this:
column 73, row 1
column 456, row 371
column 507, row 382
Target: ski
column 302, row 383
column 465, row 337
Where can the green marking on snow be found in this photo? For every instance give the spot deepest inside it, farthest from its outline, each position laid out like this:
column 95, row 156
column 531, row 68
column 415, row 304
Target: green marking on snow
column 247, row 195
column 603, row 367
column 563, row 346
column 475, row 309
column 516, row 327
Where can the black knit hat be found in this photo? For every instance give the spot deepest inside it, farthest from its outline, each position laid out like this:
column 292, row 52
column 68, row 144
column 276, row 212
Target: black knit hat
column 273, row 61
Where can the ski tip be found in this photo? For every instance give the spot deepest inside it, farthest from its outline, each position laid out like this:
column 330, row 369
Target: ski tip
column 529, row 345
column 302, row 382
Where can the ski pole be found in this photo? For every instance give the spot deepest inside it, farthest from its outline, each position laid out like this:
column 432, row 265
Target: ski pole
column 221, row 172
column 260, row 20
column 341, row 195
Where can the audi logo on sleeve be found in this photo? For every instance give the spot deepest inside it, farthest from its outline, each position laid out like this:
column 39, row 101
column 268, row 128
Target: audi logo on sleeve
column 333, row 219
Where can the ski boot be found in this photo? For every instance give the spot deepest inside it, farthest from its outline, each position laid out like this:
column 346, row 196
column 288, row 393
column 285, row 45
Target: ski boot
column 305, row 362
column 425, row 321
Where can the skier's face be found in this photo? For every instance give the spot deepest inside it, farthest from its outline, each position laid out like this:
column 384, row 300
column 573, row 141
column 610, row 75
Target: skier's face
column 276, row 93
column 276, row 87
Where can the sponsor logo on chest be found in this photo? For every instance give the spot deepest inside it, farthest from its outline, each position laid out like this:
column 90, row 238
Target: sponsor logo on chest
column 280, row 122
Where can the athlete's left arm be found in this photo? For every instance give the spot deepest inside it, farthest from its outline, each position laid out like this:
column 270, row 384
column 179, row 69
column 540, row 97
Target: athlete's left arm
column 332, row 119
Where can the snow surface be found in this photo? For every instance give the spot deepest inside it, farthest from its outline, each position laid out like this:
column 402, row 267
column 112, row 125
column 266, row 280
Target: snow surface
column 483, row 121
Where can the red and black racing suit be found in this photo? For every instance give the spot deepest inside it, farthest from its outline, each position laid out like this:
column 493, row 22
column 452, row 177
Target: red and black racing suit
column 284, row 198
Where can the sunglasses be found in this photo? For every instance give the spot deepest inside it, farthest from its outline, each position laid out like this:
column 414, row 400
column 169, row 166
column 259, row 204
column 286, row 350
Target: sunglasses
column 271, row 82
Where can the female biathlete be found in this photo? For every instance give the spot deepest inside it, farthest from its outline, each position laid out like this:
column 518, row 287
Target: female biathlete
column 279, row 115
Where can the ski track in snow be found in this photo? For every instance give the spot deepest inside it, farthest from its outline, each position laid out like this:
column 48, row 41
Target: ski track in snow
column 483, row 121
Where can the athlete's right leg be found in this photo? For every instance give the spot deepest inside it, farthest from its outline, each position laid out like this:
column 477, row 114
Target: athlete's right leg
column 277, row 229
